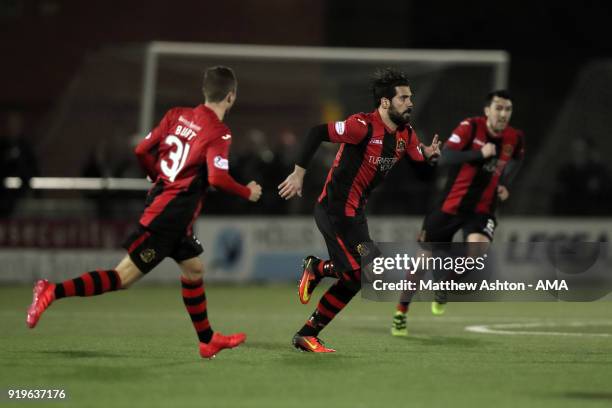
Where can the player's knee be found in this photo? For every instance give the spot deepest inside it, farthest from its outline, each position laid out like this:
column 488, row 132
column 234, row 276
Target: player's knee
column 126, row 279
column 128, row 273
column 125, row 284
column 193, row 273
column 478, row 238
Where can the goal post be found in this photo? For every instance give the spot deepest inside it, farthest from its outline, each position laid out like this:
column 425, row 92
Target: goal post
column 497, row 60
column 282, row 91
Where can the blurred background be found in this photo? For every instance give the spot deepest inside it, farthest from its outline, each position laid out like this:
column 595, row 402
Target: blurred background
column 74, row 103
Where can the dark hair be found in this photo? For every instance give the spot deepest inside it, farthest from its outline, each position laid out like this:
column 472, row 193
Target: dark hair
column 384, row 82
column 500, row 93
column 218, row 82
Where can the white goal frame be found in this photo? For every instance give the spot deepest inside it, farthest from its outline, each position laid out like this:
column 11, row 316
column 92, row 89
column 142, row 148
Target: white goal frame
column 500, row 60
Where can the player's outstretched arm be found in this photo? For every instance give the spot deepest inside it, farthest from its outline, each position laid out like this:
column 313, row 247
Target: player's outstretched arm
column 292, row 185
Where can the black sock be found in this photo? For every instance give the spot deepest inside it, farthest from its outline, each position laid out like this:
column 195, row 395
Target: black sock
column 332, row 303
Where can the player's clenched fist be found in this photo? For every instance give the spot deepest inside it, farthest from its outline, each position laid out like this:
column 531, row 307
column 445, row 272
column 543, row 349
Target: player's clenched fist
column 488, row 150
column 502, row 193
column 255, row 191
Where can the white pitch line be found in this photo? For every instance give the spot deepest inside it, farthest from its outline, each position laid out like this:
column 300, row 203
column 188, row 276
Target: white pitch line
column 499, row 329
column 269, row 316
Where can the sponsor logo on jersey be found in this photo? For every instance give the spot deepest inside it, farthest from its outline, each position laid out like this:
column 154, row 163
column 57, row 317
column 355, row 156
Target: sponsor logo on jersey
column 363, row 122
column 189, row 124
column 221, row 163
column 508, row 149
column 455, row 138
column 401, row 145
column 383, row 163
column 376, row 141
column 340, row 126
column 226, row 137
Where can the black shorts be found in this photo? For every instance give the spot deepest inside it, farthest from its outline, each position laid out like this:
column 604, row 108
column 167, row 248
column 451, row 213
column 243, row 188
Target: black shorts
column 148, row 248
column 439, row 226
column 347, row 239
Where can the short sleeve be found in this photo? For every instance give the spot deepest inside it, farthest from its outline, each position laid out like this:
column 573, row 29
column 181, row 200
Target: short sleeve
column 460, row 137
column 217, row 152
column 351, row 130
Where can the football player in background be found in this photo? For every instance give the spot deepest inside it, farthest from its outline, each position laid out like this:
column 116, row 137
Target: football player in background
column 483, row 156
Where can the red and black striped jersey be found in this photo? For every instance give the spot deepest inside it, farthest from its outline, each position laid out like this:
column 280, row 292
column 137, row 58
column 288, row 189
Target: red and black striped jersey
column 472, row 187
column 188, row 149
column 367, row 152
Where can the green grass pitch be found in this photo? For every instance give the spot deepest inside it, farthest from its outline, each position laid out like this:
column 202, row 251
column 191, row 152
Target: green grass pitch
column 137, row 348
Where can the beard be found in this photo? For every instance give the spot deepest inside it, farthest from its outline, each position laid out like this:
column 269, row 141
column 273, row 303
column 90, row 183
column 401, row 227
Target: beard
column 400, row 119
column 499, row 127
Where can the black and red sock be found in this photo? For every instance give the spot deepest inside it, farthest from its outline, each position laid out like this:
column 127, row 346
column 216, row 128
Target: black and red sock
column 332, row 303
column 194, row 297
column 89, row 284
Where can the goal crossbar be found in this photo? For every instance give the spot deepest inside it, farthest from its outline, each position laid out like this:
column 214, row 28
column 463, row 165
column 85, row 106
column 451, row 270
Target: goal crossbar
column 154, row 50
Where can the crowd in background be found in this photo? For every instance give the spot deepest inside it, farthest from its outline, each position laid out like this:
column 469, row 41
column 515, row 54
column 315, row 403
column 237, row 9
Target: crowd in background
column 583, row 183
